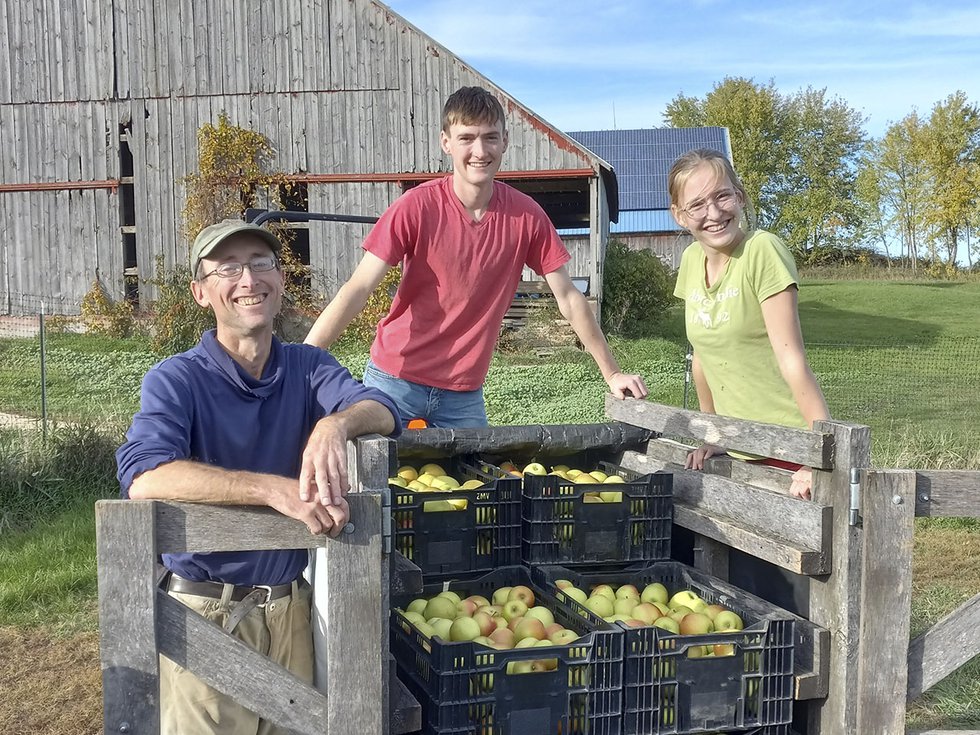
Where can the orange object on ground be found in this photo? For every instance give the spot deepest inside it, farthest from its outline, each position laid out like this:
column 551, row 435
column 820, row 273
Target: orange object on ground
column 417, row 424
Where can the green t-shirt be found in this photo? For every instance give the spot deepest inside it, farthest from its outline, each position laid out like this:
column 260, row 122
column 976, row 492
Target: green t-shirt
column 726, row 328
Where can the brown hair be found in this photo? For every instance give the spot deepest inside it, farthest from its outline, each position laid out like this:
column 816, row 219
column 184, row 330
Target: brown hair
column 472, row 105
column 686, row 164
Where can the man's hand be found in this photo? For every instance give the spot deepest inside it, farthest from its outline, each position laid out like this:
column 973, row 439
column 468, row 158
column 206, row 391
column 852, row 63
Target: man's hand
column 323, row 473
column 802, row 483
column 319, row 518
column 695, row 459
column 623, row 385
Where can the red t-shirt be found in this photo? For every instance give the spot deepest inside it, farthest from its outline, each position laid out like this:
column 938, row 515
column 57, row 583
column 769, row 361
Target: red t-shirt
column 458, row 279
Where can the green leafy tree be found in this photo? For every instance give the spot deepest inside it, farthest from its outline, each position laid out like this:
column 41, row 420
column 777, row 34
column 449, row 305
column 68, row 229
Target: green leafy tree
column 900, row 158
column 952, row 158
column 637, row 291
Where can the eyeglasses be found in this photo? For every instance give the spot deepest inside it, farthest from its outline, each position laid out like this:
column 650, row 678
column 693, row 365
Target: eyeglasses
column 698, row 209
column 235, row 270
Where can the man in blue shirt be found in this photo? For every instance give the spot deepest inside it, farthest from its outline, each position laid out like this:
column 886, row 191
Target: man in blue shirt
column 244, row 419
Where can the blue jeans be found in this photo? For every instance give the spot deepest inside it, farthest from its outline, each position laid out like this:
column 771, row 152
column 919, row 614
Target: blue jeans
column 438, row 406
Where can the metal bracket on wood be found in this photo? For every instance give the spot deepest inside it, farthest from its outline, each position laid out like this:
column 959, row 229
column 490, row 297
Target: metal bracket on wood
column 386, row 535
column 854, row 512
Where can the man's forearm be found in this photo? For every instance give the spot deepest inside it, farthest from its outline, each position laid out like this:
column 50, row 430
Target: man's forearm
column 196, row 482
column 364, row 417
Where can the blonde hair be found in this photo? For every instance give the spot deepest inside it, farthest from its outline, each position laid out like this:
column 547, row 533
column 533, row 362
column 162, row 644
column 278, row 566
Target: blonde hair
column 689, row 162
column 472, row 105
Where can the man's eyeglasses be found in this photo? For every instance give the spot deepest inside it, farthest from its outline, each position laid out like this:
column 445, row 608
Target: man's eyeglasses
column 724, row 199
column 235, row 270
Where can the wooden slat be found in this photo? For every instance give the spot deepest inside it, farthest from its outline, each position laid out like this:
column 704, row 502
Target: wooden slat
column 405, row 579
column 793, row 445
column 219, row 659
column 405, row 713
column 835, row 600
column 126, row 560
column 945, row 647
column 888, row 509
column 523, row 440
column 800, row 526
column 947, row 493
column 356, row 615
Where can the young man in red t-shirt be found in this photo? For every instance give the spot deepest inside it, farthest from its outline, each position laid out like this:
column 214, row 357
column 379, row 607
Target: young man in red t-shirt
column 463, row 241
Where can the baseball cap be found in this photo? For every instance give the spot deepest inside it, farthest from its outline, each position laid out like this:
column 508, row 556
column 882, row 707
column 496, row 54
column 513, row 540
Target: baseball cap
column 213, row 235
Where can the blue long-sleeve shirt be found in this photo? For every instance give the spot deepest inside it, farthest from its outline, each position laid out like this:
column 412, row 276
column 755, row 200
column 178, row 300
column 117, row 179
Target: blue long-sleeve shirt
column 202, row 406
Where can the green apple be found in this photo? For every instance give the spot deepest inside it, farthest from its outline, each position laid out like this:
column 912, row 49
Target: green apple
column 654, row 592
column 668, row 624
column 560, row 468
column 576, row 594
column 572, row 473
column 613, row 479
column 442, row 627
column 627, row 590
column 519, row 667
column 514, row 609
column 599, row 475
column 464, row 629
column 625, row 605
column 585, row 479
column 600, row 605
column 413, row 617
column 540, row 612
column 535, row 468
column 530, row 628
column 605, row 590
column 562, row 584
column 728, row 620
column 528, row 642
column 499, row 596
column 471, row 485
column 523, row 593
column 400, row 481
column 425, row 629
column 685, row 597
column 611, row 497
column 417, row 605
column 449, row 594
column 678, row 613
column 564, row 637
column 439, row 607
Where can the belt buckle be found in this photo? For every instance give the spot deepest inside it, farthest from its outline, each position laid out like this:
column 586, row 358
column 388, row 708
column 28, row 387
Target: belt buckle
column 268, row 593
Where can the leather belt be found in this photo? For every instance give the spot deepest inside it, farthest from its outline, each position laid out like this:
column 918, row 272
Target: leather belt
column 216, row 589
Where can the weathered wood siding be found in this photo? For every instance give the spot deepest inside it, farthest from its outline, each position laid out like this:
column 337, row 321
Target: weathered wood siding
column 338, row 86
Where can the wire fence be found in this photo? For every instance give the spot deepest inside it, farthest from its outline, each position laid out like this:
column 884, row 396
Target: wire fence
column 51, row 368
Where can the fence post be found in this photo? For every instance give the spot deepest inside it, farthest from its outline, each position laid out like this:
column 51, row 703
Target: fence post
column 44, row 377
column 835, row 598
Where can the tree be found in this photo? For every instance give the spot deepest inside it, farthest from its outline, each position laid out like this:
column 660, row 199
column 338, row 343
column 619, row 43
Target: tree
column 952, row 159
column 904, row 179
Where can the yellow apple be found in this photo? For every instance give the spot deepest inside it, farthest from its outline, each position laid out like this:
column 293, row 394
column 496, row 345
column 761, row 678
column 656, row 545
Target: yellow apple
column 440, row 607
column 611, row 497
column 396, row 480
column 599, row 475
column 572, row 474
column 431, row 469
column 696, row 623
column 535, row 468
column 560, row 468
column 613, row 479
column 654, row 592
column 471, row 485
column 418, row 486
column 408, row 472
column 728, row 620
column 585, row 478
column 683, row 597
column 444, row 483
column 426, row 478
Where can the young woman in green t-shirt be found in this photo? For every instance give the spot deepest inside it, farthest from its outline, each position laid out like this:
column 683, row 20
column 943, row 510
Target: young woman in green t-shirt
column 739, row 285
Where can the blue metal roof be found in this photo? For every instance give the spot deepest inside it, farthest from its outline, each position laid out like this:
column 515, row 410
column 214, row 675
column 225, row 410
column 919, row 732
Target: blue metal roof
column 642, row 158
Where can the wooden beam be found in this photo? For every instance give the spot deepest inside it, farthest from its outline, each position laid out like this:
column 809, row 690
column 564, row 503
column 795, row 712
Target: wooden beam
column 943, row 648
column 809, row 448
column 888, row 509
column 947, row 493
column 126, row 557
column 222, row 661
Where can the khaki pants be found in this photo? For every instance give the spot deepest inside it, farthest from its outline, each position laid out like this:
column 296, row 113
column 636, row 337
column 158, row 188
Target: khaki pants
column 280, row 630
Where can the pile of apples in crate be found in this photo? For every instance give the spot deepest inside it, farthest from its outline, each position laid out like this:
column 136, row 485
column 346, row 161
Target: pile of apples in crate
column 430, row 478
column 574, row 475
column 680, row 613
column 510, row 619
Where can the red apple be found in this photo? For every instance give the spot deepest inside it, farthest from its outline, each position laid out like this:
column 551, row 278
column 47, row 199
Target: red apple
column 522, row 593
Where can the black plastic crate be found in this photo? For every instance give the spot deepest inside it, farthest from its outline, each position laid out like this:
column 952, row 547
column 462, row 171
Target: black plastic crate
column 562, row 523
column 665, row 691
column 465, row 687
column 446, row 534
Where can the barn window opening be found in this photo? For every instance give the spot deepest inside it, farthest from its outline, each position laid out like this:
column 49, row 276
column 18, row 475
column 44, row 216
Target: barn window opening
column 295, row 197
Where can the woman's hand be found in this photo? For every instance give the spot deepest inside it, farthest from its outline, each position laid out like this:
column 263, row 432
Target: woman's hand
column 695, row 460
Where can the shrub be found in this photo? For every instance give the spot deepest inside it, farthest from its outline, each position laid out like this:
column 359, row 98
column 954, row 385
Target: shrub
column 101, row 316
column 363, row 326
column 637, row 291
column 177, row 321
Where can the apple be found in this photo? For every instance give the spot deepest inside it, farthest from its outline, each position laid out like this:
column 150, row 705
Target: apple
column 585, row 479
column 540, row 612
column 599, row 475
column 695, row 652
column 501, row 621
column 519, row 667
column 654, row 592
column 528, row 642
column 444, row 483
column 591, row 498
column 627, row 590
column 449, row 594
column 491, row 610
column 563, row 637
column 576, row 594
column 480, row 600
column 407, row 472
column 712, row 610
column 685, row 598
column 530, row 628
column 724, row 649
column 426, row 478
column 486, row 623
column 442, row 627
column 604, row 589
column 413, row 617
column 522, row 593
column 500, row 596
column 419, row 487
column 613, row 479
column 508, row 467
column 560, row 468
column 572, row 474
column 728, row 620
column 400, row 481
column 611, row 497
column 513, row 623
column 550, row 630
column 425, row 629
column 600, row 605
column 625, row 605
column 464, row 629
column 466, row 608
column 439, row 607
column 562, row 583
column 484, row 641
column 696, row 623
column 634, row 623
column 417, row 605
column 668, row 624
column 503, row 637
column 678, row 613
column 535, row 468
column 646, row 612
column 471, row 485
column 432, row 469
column 514, row 609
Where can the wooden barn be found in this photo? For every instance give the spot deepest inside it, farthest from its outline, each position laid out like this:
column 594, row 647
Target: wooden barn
column 101, row 102
column 642, row 159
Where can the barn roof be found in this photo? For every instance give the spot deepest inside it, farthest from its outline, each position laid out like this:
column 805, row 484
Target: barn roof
column 642, row 158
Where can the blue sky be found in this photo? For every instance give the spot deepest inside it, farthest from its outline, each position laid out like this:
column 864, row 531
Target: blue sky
column 603, row 64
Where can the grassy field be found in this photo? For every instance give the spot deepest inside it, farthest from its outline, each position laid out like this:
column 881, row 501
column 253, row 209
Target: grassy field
column 896, row 356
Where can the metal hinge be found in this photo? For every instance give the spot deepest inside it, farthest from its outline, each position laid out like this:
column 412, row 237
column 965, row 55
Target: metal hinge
column 386, row 536
column 854, row 512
